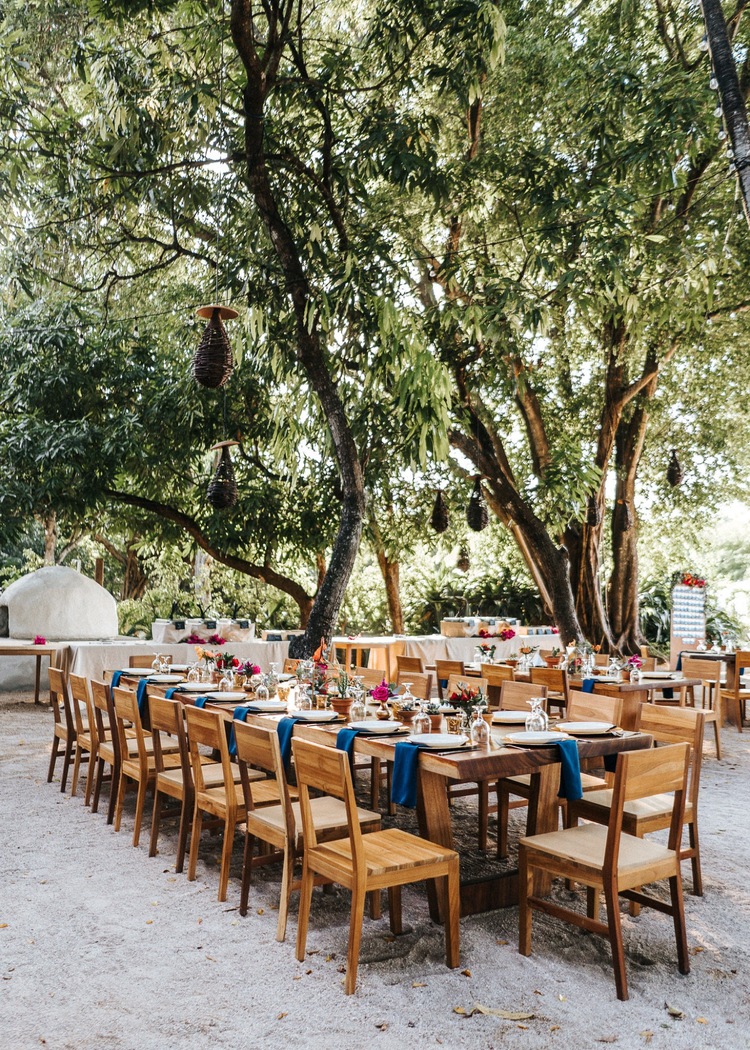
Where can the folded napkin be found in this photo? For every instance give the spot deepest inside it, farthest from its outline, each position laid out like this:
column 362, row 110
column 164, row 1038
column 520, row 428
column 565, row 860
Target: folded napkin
column 345, row 742
column 141, row 694
column 200, row 701
column 240, row 714
column 587, row 685
column 116, row 676
column 284, row 729
column 679, row 663
column 404, row 780
column 570, row 771
column 169, row 693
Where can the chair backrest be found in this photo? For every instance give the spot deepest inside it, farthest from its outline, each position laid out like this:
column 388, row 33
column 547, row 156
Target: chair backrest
column 421, row 684
column 127, row 715
column 709, row 671
column 258, row 746
column 80, row 695
column 601, row 659
column 677, row 725
column 640, row 774
column 290, row 666
column 371, row 677
column 409, row 663
column 208, row 729
column 555, row 678
column 103, row 711
column 496, row 674
column 445, row 668
column 62, row 708
column 326, row 769
column 457, row 682
column 648, row 663
column 145, row 660
column 741, row 661
column 515, row 696
column 588, row 707
column 168, row 717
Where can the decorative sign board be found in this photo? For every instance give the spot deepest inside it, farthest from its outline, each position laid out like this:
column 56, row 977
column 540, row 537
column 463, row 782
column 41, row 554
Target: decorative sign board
column 688, row 618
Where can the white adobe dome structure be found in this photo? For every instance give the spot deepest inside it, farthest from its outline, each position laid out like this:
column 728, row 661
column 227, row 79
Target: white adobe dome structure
column 60, row 604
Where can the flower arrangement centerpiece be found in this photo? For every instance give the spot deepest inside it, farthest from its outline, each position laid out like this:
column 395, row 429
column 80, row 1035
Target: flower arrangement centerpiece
column 507, row 633
column 193, row 639
column 527, row 650
column 487, row 650
column 249, row 669
column 690, row 579
column 226, row 662
column 207, row 659
column 483, row 633
column 465, row 698
column 216, row 639
column 635, row 663
column 39, row 639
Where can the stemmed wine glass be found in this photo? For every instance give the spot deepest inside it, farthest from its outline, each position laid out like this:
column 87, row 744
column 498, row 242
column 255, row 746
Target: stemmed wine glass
column 536, row 720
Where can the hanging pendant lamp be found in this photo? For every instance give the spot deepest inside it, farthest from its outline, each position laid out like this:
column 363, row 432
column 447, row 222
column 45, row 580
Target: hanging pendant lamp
column 213, row 362
column 675, row 473
column 463, row 564
column 477, row 515
column 440, row 520
column 222, row 489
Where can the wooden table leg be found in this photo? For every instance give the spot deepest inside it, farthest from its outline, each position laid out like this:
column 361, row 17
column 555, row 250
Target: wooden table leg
column 38, row 677
column 543, row 814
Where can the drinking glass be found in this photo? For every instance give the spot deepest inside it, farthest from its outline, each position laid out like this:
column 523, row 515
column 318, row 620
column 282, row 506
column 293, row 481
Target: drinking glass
column 421, row 722
column 261, row 693
column 536, row 721
column 479, row 731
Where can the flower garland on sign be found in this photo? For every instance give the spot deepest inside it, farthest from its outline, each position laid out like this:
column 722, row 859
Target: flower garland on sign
column 689, row 579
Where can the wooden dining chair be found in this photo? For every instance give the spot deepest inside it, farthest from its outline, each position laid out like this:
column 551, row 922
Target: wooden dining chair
column 609, row 861
column 64, row 730
column 107, row 750
column 556, row 681
column 86, row 743
column 735, row 699
column 443, row 670
column 371, row 676
column 421, row 684
column 280, row 825
column 146, row 659
column 709, row 672
column 410, row 664
column 515, row 696
column 496, row 674
column 137, row 764
column 582, row 707
column 365, row 863
column 667, row 725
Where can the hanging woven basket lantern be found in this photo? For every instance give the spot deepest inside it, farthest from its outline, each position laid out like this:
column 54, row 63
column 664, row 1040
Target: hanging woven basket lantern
column 626, row 515
column 440, row 520
column 463, row 564
column 213, row 362
column 675, row 473
column 593, row 512
column 477, row 516
column 222, row 489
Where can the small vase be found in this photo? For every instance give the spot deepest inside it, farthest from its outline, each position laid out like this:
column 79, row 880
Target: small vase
column 341, row 705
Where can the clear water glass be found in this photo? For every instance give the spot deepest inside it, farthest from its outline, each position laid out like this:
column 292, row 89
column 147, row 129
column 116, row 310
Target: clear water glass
column 536, row 720
column 421, row 722
column 479, row 730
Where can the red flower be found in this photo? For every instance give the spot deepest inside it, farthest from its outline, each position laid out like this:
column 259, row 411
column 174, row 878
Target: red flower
column 235, row 662
column 39, row 639
column 216, row 639
column 484, row 633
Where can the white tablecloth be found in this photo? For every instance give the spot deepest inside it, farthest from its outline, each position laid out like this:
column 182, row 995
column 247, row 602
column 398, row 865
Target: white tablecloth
column 432, row 647
column 91, row 659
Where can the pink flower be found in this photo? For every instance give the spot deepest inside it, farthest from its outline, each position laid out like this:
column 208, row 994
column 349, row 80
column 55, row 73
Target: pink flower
column 507, row 633
column 39, row 640
column 380, row 693
column 216, row 639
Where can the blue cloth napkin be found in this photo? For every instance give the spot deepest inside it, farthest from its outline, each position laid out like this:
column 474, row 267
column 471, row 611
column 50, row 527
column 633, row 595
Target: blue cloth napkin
column 200, row 701
column 285, row 729
column 345, row 742
column 141, row 695
column 679, row 663
column 587, row 685
column 404, row 780
column 240, row 713
column 170, row 693
column 570, row 771
column 116, row 676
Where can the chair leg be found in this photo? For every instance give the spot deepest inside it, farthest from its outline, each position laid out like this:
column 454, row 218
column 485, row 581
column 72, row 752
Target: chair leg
column 53, row 757
column 305, row 902
column 717, row 736
column 155, row 822
column 89, row 778
column 356, row 920
column 611, row 901
column 182, row 837
column 140, row 805
column 394, row 910
column 287, row 878
column 114, row 789
column 695, row 860
column 375, row 784
column 247, row 869
column 195, row 839
column 484, row 805
column 524, row 909
column 226, row 858
column 76, row 771
column 592, row 902
column 452, row 915
column 376, row 910
column 69, row 745
column 678, row 916
column 120, row 801
column 503, row 811
column 98, row 785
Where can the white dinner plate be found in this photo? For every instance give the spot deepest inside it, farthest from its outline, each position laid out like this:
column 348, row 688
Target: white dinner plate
column 673, row 675
column 516, row 718
column 266, row 706
column 602, row 677
column 315, row 716
column 136, row 671
column 374, row 725
column 528, row 739
column 287, row 677
column 226, row 697
column 172, row 678
column 586, row 728
column 180, row 667
column 440, row 741
column 193, row 687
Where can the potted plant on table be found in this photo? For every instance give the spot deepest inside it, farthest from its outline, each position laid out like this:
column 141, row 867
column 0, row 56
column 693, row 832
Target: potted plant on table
column 339, row 694
column 432, row 708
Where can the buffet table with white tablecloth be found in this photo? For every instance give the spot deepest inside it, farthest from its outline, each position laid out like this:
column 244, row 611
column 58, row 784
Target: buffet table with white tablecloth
column 92, row 659
column 429, row 648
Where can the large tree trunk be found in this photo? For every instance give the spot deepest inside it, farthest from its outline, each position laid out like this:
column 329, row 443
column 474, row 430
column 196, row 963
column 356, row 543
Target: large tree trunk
column 583, row 541
column 261, row 53
column 50, row 538
column 135, row 580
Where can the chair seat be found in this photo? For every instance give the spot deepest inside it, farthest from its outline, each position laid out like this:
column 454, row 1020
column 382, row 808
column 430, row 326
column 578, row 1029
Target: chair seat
column 588, row 781
column 652, row 808
column 385, row 853
column 329, row 814
column 213, row 775
column 583, row 848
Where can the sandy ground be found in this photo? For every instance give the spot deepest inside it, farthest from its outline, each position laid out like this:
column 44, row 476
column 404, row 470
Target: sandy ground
column 102, row 947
